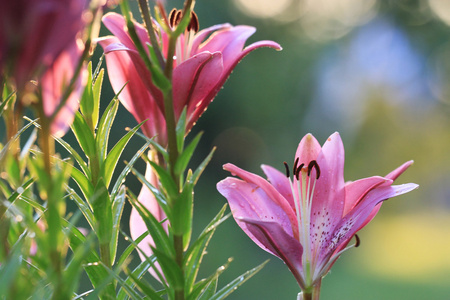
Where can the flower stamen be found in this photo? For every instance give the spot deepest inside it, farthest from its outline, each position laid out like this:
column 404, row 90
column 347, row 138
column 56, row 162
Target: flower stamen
column 288, row 175
column 358, row 241
column 314, row 164
column 175, row 17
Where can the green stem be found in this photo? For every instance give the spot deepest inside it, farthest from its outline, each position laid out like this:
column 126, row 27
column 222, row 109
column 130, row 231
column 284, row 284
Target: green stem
column 146, row 16
column 105, row 254
column 178, row 244
column 313, row 293
column 55, row 209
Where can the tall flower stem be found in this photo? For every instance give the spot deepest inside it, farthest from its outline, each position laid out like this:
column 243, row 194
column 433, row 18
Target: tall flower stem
column 146, row 16
column 171, row 134
column 311, row 294
column 55, row 209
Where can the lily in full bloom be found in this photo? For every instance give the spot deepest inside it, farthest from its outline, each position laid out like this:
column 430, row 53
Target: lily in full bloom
column 202, row 63
column 309, row 220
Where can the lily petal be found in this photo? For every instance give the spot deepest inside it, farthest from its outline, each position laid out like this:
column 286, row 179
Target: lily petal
column 280, row 244
column 280, row 182
column 135, row 96
column 195, row 77
column 268, row 189
column 249, row 201
column 397, row 172
column 355, row 191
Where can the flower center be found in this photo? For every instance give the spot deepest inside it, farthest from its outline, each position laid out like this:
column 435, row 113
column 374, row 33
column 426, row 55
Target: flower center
column 184, row 42
column 302, row 186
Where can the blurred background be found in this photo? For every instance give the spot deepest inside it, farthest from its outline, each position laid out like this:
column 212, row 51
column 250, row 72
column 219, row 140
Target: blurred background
column 377, row 71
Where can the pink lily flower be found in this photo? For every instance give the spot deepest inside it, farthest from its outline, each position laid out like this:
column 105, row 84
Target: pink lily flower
column 200, row 69
column 34, row 32
column 309, row 220
column 55, row 81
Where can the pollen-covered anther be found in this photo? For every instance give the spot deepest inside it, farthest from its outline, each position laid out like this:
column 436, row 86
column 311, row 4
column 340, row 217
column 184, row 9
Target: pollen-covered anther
column 314, row 164
column 175, row 17
column 194, row 25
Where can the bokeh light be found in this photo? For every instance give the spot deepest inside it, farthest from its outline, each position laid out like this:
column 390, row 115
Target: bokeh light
column 441, row 8
column 262, row 8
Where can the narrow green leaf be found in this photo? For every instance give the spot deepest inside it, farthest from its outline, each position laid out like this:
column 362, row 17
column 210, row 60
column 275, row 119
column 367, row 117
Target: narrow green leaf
column 117, row 209
column 6, row 101
column 147, row 290
column 113, row 156
column 155, row 228
column 172, row 272
column 97, row 275
column 133, row 245
column 104, row 127
column 201, row 286
column 114, row 274
column 87, row 101
column 73, row 269
column 181, row 130
column 182, row 211
column 127, row 169
column 165, row 179
column 83, row 134
column 33, row 203
column 194, row 255
column 30, row 143
column 83, row 207
column 162, row 201
column 16, row 194
column 5, row 149
column 202, row 167
column 155, row 145
column 102, row 208
column 209, row 290
column 83, row 183
column 143, row 267
column 74, row 154
column 97, row 88
column 186, row 155
column 9, row 269
column 232, row 286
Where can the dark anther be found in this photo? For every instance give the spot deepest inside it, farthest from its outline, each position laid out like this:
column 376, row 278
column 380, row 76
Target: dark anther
column 358, row 241
column 297, row 172
column 287, row 169
column 294, row 170
column 176, row 15
column 313, row 164
column 193, row 24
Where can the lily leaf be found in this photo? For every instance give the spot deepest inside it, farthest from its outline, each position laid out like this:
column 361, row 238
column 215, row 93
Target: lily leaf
column 113, row 156
column 186, row 155
column 232, row 286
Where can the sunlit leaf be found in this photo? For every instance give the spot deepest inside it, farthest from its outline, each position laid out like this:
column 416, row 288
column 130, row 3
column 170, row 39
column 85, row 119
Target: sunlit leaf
column 113, row 156
column 233, row 285
column 186, row 155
